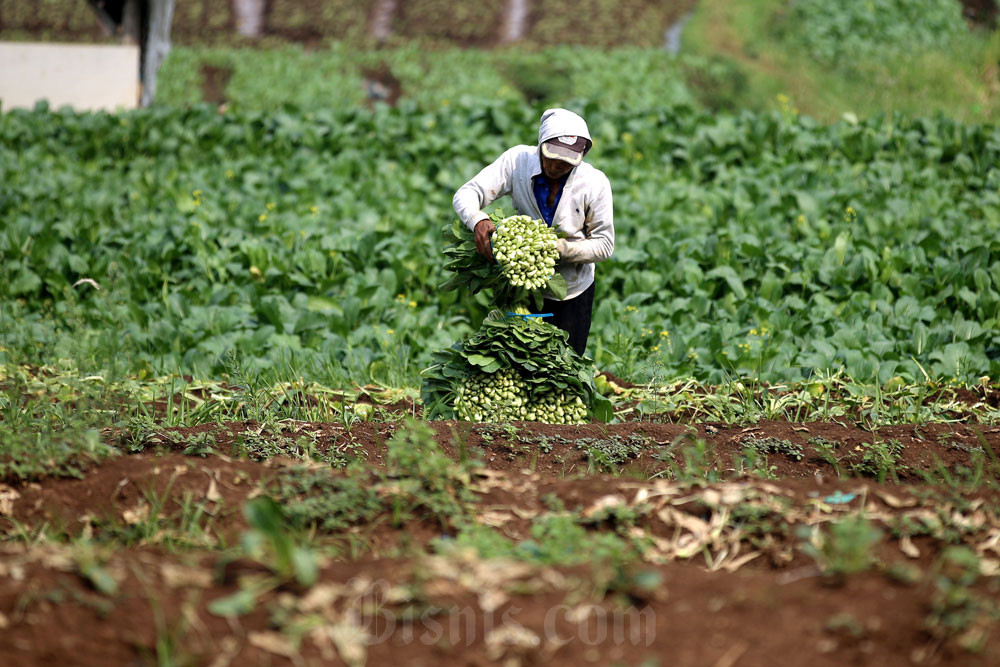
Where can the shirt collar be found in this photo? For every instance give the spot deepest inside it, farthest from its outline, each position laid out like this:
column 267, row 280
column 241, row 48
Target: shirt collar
column 536, row 166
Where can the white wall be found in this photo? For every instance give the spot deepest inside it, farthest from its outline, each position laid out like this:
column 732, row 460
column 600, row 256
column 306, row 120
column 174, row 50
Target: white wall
column 84, row 76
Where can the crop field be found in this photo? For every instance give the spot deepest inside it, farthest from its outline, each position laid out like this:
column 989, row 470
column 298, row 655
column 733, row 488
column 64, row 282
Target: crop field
column 306, row 242
column 214, row 325
column 252, row 412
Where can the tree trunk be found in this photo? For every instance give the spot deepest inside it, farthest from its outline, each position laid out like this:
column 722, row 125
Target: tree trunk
column 249, row 16
column 516, row 17
column 381, row 28
column 131, row 26
column 161, row 15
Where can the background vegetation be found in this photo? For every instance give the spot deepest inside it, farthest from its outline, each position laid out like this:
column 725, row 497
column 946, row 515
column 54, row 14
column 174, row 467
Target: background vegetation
column 760, row 243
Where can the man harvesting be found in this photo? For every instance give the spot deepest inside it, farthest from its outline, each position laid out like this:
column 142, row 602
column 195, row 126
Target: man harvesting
column 551, row 182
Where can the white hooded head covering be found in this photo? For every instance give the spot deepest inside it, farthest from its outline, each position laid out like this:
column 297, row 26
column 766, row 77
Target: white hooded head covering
column 563, row 123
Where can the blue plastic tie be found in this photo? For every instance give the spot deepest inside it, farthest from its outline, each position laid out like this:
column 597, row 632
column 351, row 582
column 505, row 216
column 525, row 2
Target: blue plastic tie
column 525, row 317
column 840, row 498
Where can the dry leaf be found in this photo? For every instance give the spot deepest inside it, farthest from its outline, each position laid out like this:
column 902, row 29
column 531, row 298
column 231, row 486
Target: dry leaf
column 320, row 597
column 230, row 646
column 7, row 497
column 58, row 561
column 516, row 637
column 351, row 642
column 893, row 501
column 213, row 494
column 492, row 599
column 989, row 567
column 134, row 517
column 603, row 503
column 495, row 518
column 272, row 642
column 736, row 563
column 321, row 637
column 177, row 576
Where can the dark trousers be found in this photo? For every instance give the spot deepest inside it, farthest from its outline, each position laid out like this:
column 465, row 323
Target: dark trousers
column 573, row 315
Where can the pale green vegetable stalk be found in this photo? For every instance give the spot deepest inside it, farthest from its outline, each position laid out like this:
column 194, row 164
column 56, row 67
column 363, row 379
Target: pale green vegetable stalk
column 525, row 249
column 504, row 396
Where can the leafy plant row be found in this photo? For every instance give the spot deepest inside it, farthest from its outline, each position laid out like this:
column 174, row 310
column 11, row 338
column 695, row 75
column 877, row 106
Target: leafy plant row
column 341, row 76
column 763, row 244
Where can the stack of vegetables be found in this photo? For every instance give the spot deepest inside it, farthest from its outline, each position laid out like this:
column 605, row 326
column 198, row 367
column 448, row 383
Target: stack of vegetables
column 513, row 368
column 517, row 366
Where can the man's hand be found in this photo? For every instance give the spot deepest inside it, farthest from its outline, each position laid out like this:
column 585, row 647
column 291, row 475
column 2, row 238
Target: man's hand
column 561, row 246
column 484, row 228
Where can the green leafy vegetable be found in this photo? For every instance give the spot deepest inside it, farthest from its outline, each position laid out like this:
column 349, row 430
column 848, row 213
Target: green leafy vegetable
column 513, row 368
column 525, row 253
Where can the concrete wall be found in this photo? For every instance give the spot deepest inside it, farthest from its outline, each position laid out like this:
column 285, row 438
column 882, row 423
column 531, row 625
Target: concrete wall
column 84, row 76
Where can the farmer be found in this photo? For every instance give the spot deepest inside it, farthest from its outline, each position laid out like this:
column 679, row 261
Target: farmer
column 551, row 182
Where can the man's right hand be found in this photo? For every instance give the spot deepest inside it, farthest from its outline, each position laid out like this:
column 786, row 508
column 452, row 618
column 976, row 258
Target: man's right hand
column 483, row 230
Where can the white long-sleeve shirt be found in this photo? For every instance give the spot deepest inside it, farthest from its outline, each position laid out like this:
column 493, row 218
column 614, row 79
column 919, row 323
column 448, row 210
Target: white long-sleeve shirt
column 584, row 212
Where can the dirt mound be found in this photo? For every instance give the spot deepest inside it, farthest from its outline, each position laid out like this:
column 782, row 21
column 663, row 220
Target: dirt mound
column 905, row 453
column 449, row 542
column 143, row 497
column 461, row 610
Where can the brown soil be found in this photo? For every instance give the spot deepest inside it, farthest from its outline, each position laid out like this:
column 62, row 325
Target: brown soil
column 128, row 490
column 981, row 12
column 654, row 448
column 539, row 615
column 214, row 82
column 719, row 604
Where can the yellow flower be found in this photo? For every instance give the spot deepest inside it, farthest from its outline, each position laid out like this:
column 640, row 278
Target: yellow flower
column 401, row 298
column 801, row 219
column 230, row 174
column 270, row 205
column 314, row 210
column 390, row 331
column 753, row 332
column 255, row 272
column 196, row 194
column 656, row 348
column 664, row 334
column 630, row 309
column 262, row 217
column 412, row 304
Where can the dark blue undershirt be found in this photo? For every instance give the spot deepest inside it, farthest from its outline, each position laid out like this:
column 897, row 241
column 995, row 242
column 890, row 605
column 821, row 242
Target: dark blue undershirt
column 542, row 188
